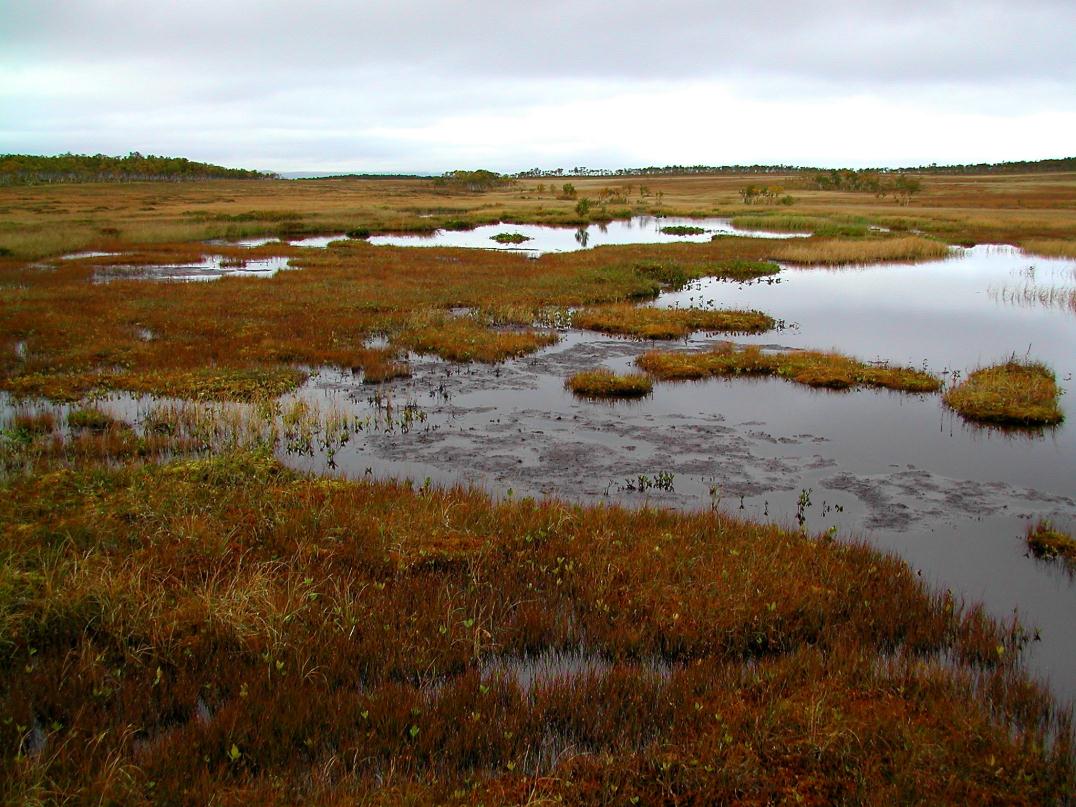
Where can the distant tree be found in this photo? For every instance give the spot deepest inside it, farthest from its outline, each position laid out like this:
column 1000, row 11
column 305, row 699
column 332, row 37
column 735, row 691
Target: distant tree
column 474, row 181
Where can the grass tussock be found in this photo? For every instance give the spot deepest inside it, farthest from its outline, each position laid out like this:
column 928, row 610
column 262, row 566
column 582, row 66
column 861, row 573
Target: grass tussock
column 834, row 252
column 463, row 339
column 1013, row 393
column 603, row 383
column 1046, row 541
column 223, row 629
column 812, row 368
column 645, row 322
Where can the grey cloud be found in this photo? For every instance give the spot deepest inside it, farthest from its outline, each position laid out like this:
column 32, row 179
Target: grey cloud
column 867, row 41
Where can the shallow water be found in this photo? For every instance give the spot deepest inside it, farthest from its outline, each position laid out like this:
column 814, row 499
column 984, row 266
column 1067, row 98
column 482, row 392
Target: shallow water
column 636, row 230
column 211, row 267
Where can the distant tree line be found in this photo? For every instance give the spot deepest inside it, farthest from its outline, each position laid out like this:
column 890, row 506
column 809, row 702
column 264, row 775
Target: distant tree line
column 31, row 169
column 1061, row 164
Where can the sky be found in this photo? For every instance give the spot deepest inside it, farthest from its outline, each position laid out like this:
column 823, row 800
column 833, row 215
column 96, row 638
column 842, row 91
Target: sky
column 437, row 85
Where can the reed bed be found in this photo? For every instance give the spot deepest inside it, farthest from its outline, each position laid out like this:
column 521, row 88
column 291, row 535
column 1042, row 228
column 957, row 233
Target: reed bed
column 812, row 368
column 1013, row 393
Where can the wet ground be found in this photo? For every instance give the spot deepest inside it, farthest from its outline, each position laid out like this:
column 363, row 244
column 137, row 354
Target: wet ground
column 899, row 470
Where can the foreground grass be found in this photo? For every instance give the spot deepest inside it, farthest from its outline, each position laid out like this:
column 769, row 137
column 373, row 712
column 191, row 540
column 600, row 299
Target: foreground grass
column 1012, row 393
column 812, row 368
column 1045, row 541
column 602, row 383
column 224, row 630
column 646, row 322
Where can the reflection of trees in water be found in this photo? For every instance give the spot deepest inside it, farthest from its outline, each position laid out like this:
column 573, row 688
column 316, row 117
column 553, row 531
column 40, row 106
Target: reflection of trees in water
column 603, row 228
column 582, row 236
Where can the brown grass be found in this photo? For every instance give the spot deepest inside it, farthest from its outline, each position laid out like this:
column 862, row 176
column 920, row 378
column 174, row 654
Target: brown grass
column 223, row 630
column 1012, row 393
column 815, row 369
column 602, row 383
column 646, row 322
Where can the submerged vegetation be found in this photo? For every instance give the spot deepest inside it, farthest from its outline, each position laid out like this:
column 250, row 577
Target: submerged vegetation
column 814, row 369
column 1012, row 393
column 603, row 383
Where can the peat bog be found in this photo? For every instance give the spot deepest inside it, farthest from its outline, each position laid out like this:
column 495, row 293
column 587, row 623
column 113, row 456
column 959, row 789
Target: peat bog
column 348, row 532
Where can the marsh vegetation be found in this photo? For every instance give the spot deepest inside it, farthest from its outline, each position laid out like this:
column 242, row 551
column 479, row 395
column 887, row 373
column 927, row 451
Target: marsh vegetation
column 186, row 617
column 1020, row 393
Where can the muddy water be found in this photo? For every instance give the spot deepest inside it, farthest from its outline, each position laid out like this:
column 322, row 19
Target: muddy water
column 636, row 230
column 899, row 470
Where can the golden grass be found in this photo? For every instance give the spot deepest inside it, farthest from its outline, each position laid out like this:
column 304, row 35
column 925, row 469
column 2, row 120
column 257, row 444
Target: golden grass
column 602, row 383
column 1046, row 541
column 814, row 369
column 1012, row 393
column 1055, row 248
column 842, row 251
column 646, row 322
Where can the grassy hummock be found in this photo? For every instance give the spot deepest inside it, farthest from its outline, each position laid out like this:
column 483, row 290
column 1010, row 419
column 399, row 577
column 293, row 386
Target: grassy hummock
column 682, row 229
column 510, row 238
column 1013, row 393
column 603, row 383
column 812, row 368
column 1046, row 541
column 645, row 322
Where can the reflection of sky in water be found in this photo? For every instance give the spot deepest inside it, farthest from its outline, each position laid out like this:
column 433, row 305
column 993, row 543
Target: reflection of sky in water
column 941, row 312
column 637, row 230
column 211, row 267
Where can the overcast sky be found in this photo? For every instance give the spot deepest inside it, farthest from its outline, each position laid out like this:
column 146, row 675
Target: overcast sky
column 432, row 85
